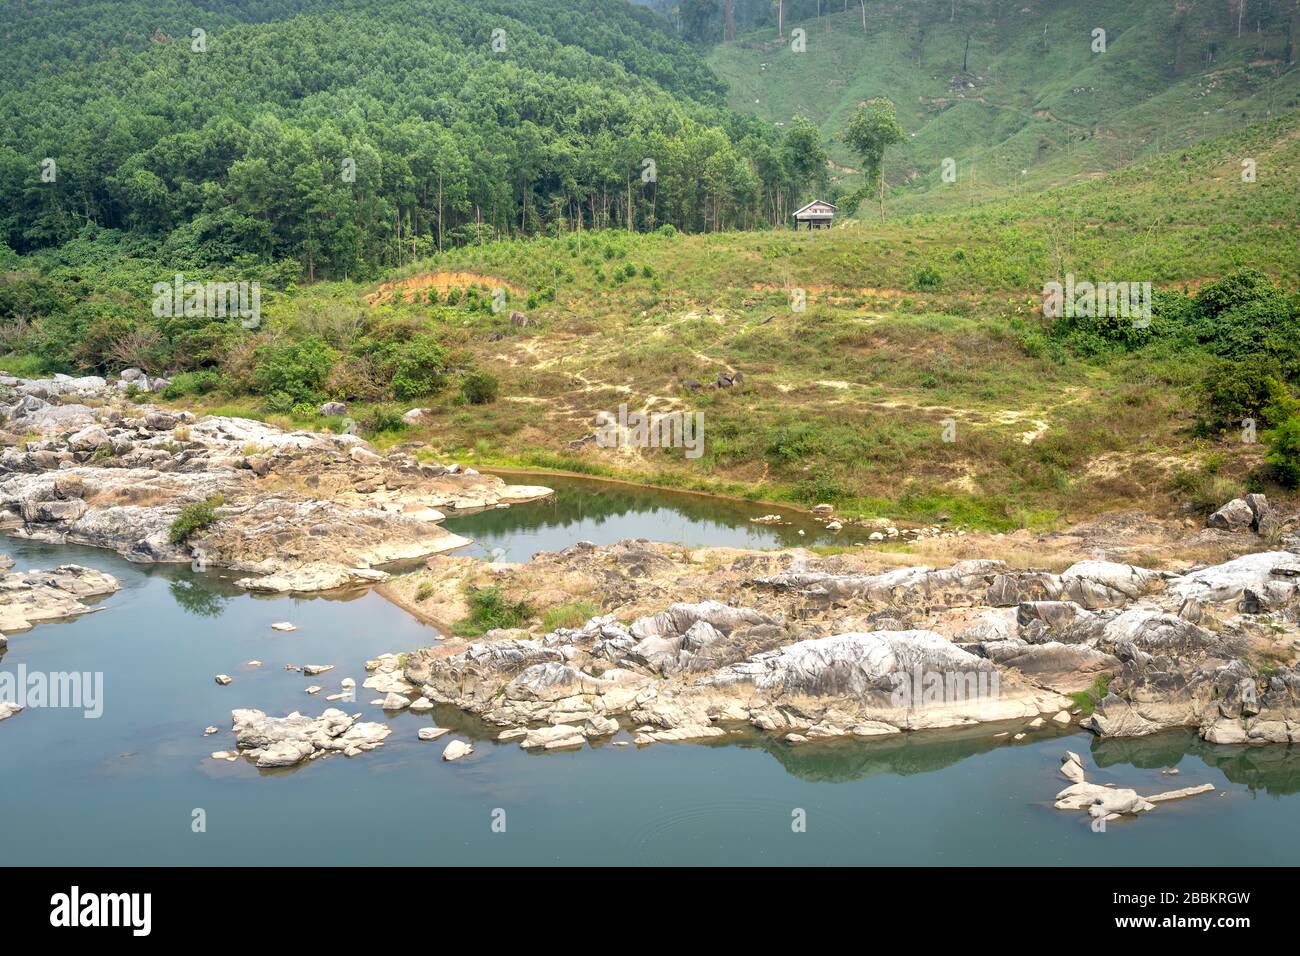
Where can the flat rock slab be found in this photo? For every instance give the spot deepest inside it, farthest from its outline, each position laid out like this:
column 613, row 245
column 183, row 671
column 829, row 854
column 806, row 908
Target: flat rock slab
column 32, row 597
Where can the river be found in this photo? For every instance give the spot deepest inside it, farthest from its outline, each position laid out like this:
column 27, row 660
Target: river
column 127, row 787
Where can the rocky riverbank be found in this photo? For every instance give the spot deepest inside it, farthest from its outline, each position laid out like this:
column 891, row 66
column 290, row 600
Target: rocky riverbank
column 296, row 511
column 807, row 647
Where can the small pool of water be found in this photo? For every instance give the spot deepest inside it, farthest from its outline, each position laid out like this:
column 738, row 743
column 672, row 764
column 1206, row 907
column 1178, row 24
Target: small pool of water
column 124, row 788
column 603, row 512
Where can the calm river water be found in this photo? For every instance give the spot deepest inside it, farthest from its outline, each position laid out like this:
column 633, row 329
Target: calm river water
column 124, row 788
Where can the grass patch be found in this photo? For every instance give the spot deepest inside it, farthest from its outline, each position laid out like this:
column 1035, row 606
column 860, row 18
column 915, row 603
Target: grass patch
column 1087, row 700
column 488, row 610
column 575, row 614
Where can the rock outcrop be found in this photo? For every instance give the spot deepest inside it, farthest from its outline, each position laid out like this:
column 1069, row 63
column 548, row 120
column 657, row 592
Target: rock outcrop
column 296, row 511
column 286, row 741
column 1251, row 513
column 806, row 647
column 32, row 597
column 702, row 670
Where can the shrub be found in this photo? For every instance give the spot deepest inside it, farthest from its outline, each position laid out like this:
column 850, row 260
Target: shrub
column 1088, row 699
column 419, row 366
column 358, row 378
column 1090, row 335
column 195, row 517
column 377, row 420
column 297, row 370
column 927, row 277
column 794, row 443
column 1245, row 316
column 821, row 487
column 1284, row 451
column 97, row 340
column 1204, row 490
column 480, row 388
column 191, row 383
column 489, row 609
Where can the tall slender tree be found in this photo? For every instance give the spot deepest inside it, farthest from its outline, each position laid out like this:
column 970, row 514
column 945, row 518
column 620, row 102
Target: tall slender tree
column 871, row 131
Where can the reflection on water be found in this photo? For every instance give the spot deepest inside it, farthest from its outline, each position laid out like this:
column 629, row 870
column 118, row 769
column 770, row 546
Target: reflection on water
column 1272, row 769
column 605, row 512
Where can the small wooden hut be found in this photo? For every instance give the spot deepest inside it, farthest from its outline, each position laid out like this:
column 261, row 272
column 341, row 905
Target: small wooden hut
column 818, row 214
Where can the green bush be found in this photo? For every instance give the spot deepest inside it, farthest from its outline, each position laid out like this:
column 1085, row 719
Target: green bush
column 195, row 517
column 377, row 420
column 1233, row 391
column 1091, row 335
column 794, row 443
column 298, row 370
column 480, row 388
column 821, row 487
column 191, row 383
column 927, row 277
column 418, row 368
column 1244, row 316
column 1087, row 700
column 1284, row 451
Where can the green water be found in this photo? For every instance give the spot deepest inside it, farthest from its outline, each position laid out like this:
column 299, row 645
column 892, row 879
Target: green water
column 123, row 789
column 603, row 512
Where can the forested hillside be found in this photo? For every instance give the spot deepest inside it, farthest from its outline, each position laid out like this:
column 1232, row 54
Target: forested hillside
column 333, row 138
column 1020, row 95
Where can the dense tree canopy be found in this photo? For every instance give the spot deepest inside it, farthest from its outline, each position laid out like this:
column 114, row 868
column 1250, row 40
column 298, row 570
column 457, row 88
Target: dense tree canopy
column 352, row 135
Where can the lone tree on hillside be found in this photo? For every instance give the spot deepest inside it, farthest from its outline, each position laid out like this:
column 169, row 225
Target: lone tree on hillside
column 871, row 131
column 803, row 155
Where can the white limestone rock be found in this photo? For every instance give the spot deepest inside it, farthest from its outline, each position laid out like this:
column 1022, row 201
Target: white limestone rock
column 456, row 750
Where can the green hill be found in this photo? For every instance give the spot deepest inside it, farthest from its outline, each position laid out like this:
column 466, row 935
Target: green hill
column 858, row 348
column 336, row 138
column 1035, row 106
column 925, row 320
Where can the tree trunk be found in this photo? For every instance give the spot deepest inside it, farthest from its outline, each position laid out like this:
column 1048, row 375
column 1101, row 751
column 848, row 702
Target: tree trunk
column 965, row 57
column 729, row 20
column 864, row 15
column 780, row 18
